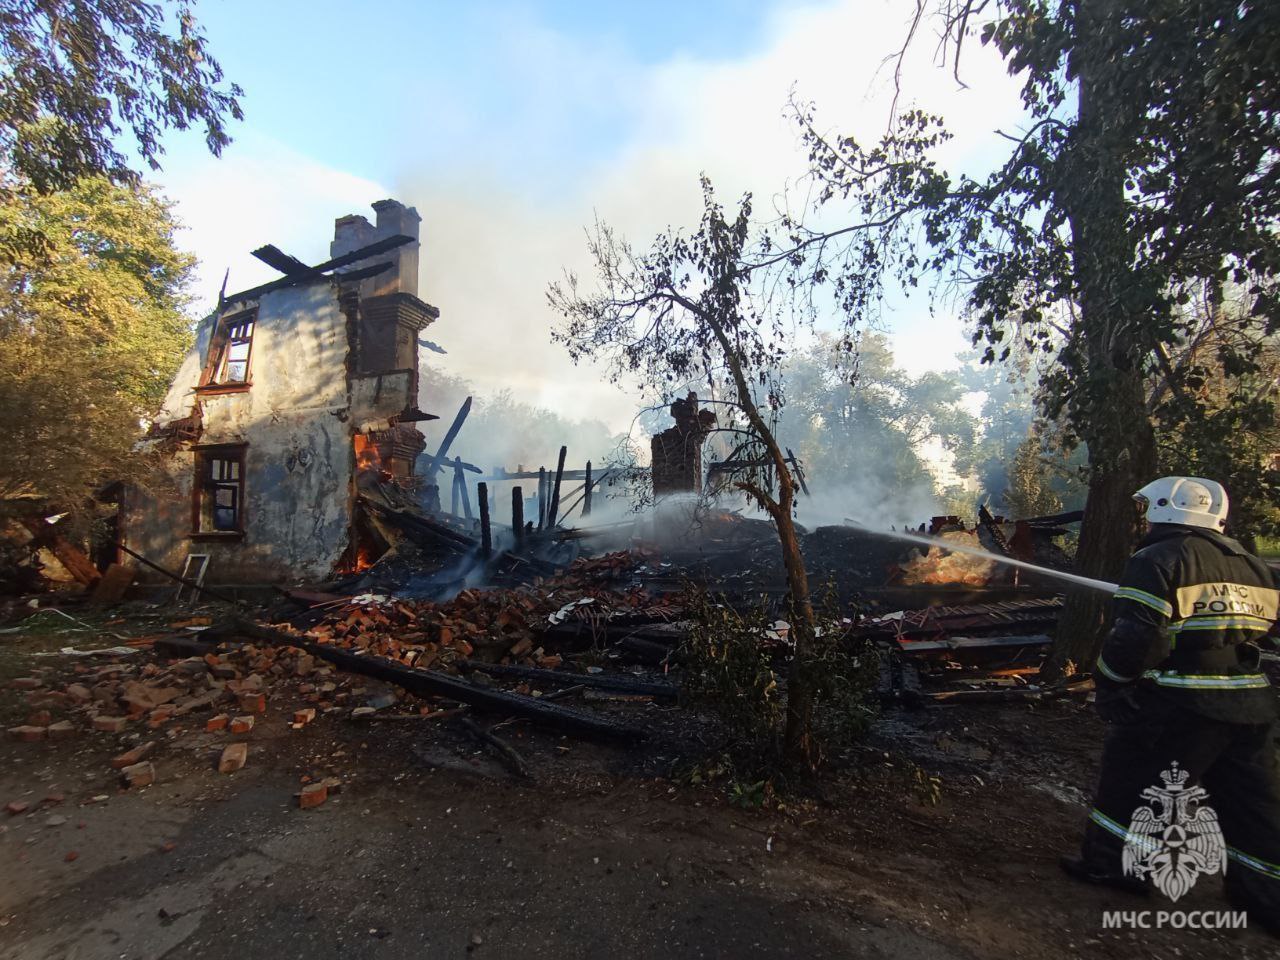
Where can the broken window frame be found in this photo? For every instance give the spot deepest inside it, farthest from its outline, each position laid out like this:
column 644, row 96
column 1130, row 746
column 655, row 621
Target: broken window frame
column 219, row 475
column 233, row 334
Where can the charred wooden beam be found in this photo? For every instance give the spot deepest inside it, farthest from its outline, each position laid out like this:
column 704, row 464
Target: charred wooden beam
column 622, row 683
column 555, row 490
column 412, row 523
column 506, row 753
column 517, row 516
column 276, row 258
column 542, row 496
column 429, row 683
column 586, row 491
column 433, row 467
column 460, row 485
column 486, row 534
column 294, row 279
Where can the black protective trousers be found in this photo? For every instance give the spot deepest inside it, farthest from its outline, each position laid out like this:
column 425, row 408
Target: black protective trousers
column 1236, row 763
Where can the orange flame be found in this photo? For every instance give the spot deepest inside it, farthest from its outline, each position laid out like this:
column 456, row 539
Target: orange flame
column 938, row 567
column 367, row 455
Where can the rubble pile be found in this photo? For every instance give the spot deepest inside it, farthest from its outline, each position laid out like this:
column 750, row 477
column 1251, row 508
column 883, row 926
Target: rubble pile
column 217, row 690
column 496, row 626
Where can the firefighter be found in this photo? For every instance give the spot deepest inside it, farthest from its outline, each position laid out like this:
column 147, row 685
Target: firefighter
column 1178, row 680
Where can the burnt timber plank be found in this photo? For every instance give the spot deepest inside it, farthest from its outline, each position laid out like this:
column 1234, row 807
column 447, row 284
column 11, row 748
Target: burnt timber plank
column 428, row 683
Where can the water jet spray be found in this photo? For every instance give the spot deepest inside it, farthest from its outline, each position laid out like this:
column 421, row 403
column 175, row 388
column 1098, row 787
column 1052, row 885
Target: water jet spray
column 1101, row 585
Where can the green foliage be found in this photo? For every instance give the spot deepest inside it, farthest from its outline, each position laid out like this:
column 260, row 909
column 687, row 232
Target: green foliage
column 90, row 335
column 731, row 667
column 1029, row 493
column 735, row 663
column 1215, row 409
column 75, row 76
column 1145, row 172
column 926, row 787
column 850, row 417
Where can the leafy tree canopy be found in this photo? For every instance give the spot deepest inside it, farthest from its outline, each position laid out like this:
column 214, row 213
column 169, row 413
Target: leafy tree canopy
column 89, row 337
column 77, row 75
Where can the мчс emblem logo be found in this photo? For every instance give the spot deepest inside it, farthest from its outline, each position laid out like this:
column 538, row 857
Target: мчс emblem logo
column 1174, row 838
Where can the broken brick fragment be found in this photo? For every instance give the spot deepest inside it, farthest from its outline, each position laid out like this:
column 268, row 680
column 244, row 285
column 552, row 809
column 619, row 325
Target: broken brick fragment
column 253, row 702
column 78, row 693
column 131, row 757
column 110, row 724
column 312, row 795
column 233, row 758
column 25, row 683
column 71, row 856
column 62, row 730
column 214, row 724
column 304, row 715
column 139, row 775
column 27, row 733
column 15, row 807
column 241, row 724
column 41, row 718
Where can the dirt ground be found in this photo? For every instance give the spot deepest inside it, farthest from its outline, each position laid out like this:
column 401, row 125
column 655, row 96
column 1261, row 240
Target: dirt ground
column 432, row 849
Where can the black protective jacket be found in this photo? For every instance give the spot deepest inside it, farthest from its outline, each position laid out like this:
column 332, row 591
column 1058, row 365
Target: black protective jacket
column 1192, row 608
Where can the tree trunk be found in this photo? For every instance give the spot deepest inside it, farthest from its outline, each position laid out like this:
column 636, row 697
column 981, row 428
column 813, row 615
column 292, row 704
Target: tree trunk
column 1106, row 537
column 1107, row 403
column 798, row 746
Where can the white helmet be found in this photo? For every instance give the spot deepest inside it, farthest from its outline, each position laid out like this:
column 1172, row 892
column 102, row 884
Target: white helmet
column 1191, row 501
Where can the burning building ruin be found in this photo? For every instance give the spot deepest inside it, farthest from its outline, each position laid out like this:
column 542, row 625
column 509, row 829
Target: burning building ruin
column 289, row 390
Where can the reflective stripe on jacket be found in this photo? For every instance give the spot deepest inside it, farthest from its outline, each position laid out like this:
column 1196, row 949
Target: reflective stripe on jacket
column 1191, row 609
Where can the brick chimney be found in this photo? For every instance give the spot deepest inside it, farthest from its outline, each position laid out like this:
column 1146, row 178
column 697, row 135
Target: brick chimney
column 353, row 232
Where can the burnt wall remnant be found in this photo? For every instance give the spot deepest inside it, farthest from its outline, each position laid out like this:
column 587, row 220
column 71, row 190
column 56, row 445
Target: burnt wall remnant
column 290, row 390
column 677, row 452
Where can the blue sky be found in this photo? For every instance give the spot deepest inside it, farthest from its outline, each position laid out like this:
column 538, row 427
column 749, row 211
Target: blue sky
column 511, row 126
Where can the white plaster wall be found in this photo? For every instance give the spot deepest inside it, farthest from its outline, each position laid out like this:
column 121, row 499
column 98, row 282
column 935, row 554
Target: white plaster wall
column 299, row 459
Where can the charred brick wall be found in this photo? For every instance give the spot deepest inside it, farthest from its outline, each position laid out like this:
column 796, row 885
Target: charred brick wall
column 677, row 452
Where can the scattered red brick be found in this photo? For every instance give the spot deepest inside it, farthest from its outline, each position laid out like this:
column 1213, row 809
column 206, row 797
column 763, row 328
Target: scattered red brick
column 312, row 795
column 110, row 724
column 304, row 716
column 241, row 725
column 15, row 807
column 28, row 734
column 253, row 702
column 62, row 730
column 134, row 756
column 71, row 856
column 139, row 775
column 25, row 683
column 214, row 724
column 78, row 693
column 41, row 718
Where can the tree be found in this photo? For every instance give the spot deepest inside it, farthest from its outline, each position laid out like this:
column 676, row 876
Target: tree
column 89, row 337
column 1029, row 493
column 688, row 310
column 1146, row 171
column 861, row 427
column 1213, row 399
column 76, row 75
